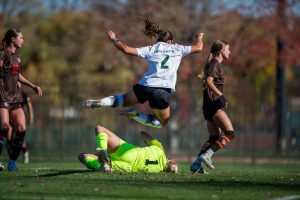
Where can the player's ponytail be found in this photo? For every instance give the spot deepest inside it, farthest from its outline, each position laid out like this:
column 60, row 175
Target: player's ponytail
column 153, row 30
column 216, row 48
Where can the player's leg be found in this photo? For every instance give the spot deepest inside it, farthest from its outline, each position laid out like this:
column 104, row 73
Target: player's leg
column 11, row 133
column 4, row 128
column 106, row 139
column 17, row 119
column 159, row 102
column 221, row 120
column 90, row 161
column 118, row 100
column 214, row 134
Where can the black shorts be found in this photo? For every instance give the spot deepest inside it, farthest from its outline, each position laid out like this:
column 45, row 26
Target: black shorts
column 10, row 106
column 210, row 107
column 158, row 97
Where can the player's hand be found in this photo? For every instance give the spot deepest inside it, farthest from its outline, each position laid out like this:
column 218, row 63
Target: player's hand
column 38, row 90
column 199, row 36
column 110, row 34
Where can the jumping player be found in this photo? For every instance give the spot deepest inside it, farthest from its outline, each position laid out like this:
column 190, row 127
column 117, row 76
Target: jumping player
column 214, row 105
column 158, row 82
column 114, row 154
column 11, row 111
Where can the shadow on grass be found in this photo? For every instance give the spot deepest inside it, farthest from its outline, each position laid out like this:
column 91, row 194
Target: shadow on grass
column 66, row 172
column 151, row 180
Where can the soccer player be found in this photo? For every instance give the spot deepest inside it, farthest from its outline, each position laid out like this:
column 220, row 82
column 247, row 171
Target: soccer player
column 114, row 154
column 11, row 111
column 214, row 105
column 158, row 82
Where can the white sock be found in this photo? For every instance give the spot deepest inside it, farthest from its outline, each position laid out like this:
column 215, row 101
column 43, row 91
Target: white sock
column 108, row 101
column 209, row 153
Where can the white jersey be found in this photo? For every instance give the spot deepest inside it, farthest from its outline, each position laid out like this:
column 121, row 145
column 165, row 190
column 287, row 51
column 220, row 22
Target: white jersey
column 163, row 61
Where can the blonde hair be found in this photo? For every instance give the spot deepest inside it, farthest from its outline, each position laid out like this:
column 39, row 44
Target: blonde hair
column 172, row 166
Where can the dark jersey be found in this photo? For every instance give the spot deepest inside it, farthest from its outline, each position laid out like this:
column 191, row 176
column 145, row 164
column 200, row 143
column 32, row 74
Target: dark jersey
column 9, row 76
column 215, row 70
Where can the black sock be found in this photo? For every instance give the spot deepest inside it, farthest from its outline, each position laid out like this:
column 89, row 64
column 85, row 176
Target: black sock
column 212, row 139
column 17, row 145
column 3, row 135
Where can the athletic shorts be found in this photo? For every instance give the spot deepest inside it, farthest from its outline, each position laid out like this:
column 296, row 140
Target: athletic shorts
column 210, row 107
column 10, row 106
column 158, row 97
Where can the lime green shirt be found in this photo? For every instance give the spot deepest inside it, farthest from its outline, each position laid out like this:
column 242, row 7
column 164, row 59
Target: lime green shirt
column 130, row 158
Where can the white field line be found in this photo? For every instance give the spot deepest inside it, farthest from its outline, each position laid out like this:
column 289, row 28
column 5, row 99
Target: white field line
column 292, row 197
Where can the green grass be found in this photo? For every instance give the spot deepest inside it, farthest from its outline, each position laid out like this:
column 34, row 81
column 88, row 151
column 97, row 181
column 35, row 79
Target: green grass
column 70, row 180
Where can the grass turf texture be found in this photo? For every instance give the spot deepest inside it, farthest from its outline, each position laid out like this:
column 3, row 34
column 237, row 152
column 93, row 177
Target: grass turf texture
column 70, row 180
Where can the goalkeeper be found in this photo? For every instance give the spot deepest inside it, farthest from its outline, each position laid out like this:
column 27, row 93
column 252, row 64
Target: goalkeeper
column 114, row 154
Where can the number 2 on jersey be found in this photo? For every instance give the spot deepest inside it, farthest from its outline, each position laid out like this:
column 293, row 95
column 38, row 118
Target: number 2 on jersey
column 163, row 63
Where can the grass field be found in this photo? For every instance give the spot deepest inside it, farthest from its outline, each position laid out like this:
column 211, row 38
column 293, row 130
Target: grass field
column 70, row 180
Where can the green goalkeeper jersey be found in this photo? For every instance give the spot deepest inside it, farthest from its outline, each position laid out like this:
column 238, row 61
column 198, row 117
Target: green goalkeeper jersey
column 130, row 158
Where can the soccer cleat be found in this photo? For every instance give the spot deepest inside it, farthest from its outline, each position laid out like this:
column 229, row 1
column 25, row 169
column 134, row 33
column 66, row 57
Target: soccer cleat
column 207, row 161
column 12, row 166
column 26, row 157
column 197, row 168
column 1, row 166
column 104, row 160
column 93, row 103
column 129, row 113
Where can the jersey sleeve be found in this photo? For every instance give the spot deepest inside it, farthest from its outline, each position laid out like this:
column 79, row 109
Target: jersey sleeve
column 155, row 142
column 184, row 50
column 143, row 52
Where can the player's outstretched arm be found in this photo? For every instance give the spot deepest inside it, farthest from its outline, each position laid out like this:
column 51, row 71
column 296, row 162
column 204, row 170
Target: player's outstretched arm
column 198, row 46
column 120, row 45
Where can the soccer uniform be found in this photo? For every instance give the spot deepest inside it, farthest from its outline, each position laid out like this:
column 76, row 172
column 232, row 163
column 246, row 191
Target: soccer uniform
column 159, row 81
column 211, row 102
column 10, row 94
column 130, row 158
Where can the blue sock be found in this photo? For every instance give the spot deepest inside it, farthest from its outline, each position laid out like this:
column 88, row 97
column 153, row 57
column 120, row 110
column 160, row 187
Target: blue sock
column 119, row 100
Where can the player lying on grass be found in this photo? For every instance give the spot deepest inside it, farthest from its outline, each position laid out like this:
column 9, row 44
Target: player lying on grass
column 114, row 154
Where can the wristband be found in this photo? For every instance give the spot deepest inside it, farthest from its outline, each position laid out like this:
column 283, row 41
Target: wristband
column 114, row 40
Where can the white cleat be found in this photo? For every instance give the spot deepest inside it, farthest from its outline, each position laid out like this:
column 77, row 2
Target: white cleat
column 196, row 167
column 104, row 160
column 92, row 103
column 207, row 161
